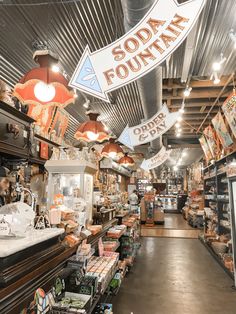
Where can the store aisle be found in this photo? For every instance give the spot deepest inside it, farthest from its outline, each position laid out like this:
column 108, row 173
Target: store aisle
column 175, row 226
column 175, row 276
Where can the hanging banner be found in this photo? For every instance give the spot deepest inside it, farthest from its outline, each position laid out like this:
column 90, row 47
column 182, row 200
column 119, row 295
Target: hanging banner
column 150, row 129
column 229, row 109
column 205, row 148
column 211, row 140
column 148, row 44
column 156, row 160
column 221, row 130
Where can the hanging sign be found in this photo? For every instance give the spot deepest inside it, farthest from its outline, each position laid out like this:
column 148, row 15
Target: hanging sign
column 221, row 130
column 148, row 44
column 229, row 109
column 156, row 160
column 211, row 140
column 205, row 148
column 150, row 129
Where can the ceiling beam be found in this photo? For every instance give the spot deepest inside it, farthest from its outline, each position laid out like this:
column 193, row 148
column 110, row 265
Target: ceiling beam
column 169, row 84
column 222, row 92
column 203, row 93
column 198, row 104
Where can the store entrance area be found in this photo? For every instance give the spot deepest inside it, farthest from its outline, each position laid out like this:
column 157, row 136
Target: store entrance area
column 194, row 282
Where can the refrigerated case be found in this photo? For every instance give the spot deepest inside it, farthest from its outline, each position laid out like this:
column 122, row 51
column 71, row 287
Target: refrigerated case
column 71, row 179
column 232, row 185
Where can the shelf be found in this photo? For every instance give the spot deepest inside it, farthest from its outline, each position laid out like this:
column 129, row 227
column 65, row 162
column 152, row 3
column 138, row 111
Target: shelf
column 225, row 157
column 70, row 166
column 221, row 173
column 209, row 177
column 222, row 200
column 93, row 239
column 216, row 257
column 46, row 140
column 211, row 165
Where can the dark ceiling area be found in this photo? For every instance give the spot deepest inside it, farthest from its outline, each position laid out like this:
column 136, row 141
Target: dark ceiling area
column 66, row 27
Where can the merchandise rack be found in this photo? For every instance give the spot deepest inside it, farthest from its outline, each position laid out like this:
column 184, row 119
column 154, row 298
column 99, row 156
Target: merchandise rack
column 217, row 197
column 216, row 257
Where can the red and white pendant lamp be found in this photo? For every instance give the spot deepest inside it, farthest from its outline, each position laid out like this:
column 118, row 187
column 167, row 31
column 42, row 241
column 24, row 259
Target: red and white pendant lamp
column 43, row 85
column 126, row 161
column 112, row 150
column 92, row 130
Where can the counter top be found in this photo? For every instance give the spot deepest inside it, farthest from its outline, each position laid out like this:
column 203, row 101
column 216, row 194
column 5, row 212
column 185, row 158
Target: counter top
column 13, row 245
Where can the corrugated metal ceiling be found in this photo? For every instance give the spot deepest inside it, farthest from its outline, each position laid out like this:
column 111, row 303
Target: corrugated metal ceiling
column 66, row 27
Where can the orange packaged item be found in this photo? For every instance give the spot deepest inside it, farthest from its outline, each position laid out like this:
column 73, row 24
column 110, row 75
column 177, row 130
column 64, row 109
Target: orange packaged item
column 58, row 199
column 67, row 214
column 71, row 240
column 94, row 229
column 68, row 225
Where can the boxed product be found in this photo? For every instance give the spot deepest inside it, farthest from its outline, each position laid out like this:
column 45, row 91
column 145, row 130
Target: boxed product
column 94, row 229
column 110, row 246
column 116, row 231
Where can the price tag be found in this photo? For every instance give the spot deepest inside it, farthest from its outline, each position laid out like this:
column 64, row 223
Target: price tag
column 38, row 148
column 4, row 228
column 25, row 134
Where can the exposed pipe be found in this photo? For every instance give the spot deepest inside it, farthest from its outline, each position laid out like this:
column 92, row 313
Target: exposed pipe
column 150, row 85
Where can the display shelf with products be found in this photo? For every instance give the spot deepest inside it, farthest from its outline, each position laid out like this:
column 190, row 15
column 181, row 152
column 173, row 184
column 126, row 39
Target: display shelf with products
column 193, row 211
column 218, row 231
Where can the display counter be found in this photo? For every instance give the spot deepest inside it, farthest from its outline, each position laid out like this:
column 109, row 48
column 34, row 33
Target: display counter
column 11, row 245
column 40, row 270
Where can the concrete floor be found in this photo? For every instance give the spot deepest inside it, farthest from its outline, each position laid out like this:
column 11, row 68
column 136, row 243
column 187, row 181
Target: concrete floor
column 175, row 221
column 175, row 276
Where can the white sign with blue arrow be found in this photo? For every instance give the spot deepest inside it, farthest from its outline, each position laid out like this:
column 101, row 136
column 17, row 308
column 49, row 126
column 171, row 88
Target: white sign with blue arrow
column 156, row 160
column 148, row 44
column 149, row 130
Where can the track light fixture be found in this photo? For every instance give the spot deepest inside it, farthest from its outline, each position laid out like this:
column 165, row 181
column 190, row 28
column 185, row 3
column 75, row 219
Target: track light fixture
column 216, row 66
column 216, row 78
column 187, row 91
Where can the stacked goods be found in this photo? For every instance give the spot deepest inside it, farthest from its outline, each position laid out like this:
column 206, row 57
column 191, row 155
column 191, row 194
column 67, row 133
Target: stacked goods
column 103, row 268
column 111, row 246
column 130, row 221
column 94, row 229
column 116, row 231
column 193, row 211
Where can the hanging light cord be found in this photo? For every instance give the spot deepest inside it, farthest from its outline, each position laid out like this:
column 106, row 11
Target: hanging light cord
column 218, row 97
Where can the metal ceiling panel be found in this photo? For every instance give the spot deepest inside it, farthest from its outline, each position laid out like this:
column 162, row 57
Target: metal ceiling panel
column 66, row 27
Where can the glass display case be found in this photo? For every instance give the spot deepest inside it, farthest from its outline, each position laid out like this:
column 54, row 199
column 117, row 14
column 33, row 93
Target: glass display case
column 70, row 181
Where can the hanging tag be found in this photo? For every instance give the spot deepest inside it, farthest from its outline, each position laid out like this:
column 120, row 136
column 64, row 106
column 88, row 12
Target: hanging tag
column 25, row 134
column 4, row 228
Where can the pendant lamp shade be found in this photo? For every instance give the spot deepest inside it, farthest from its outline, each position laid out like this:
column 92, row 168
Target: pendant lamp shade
column 92, row 130
column 112, row 150
column 126, row 161
column 43, row 86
